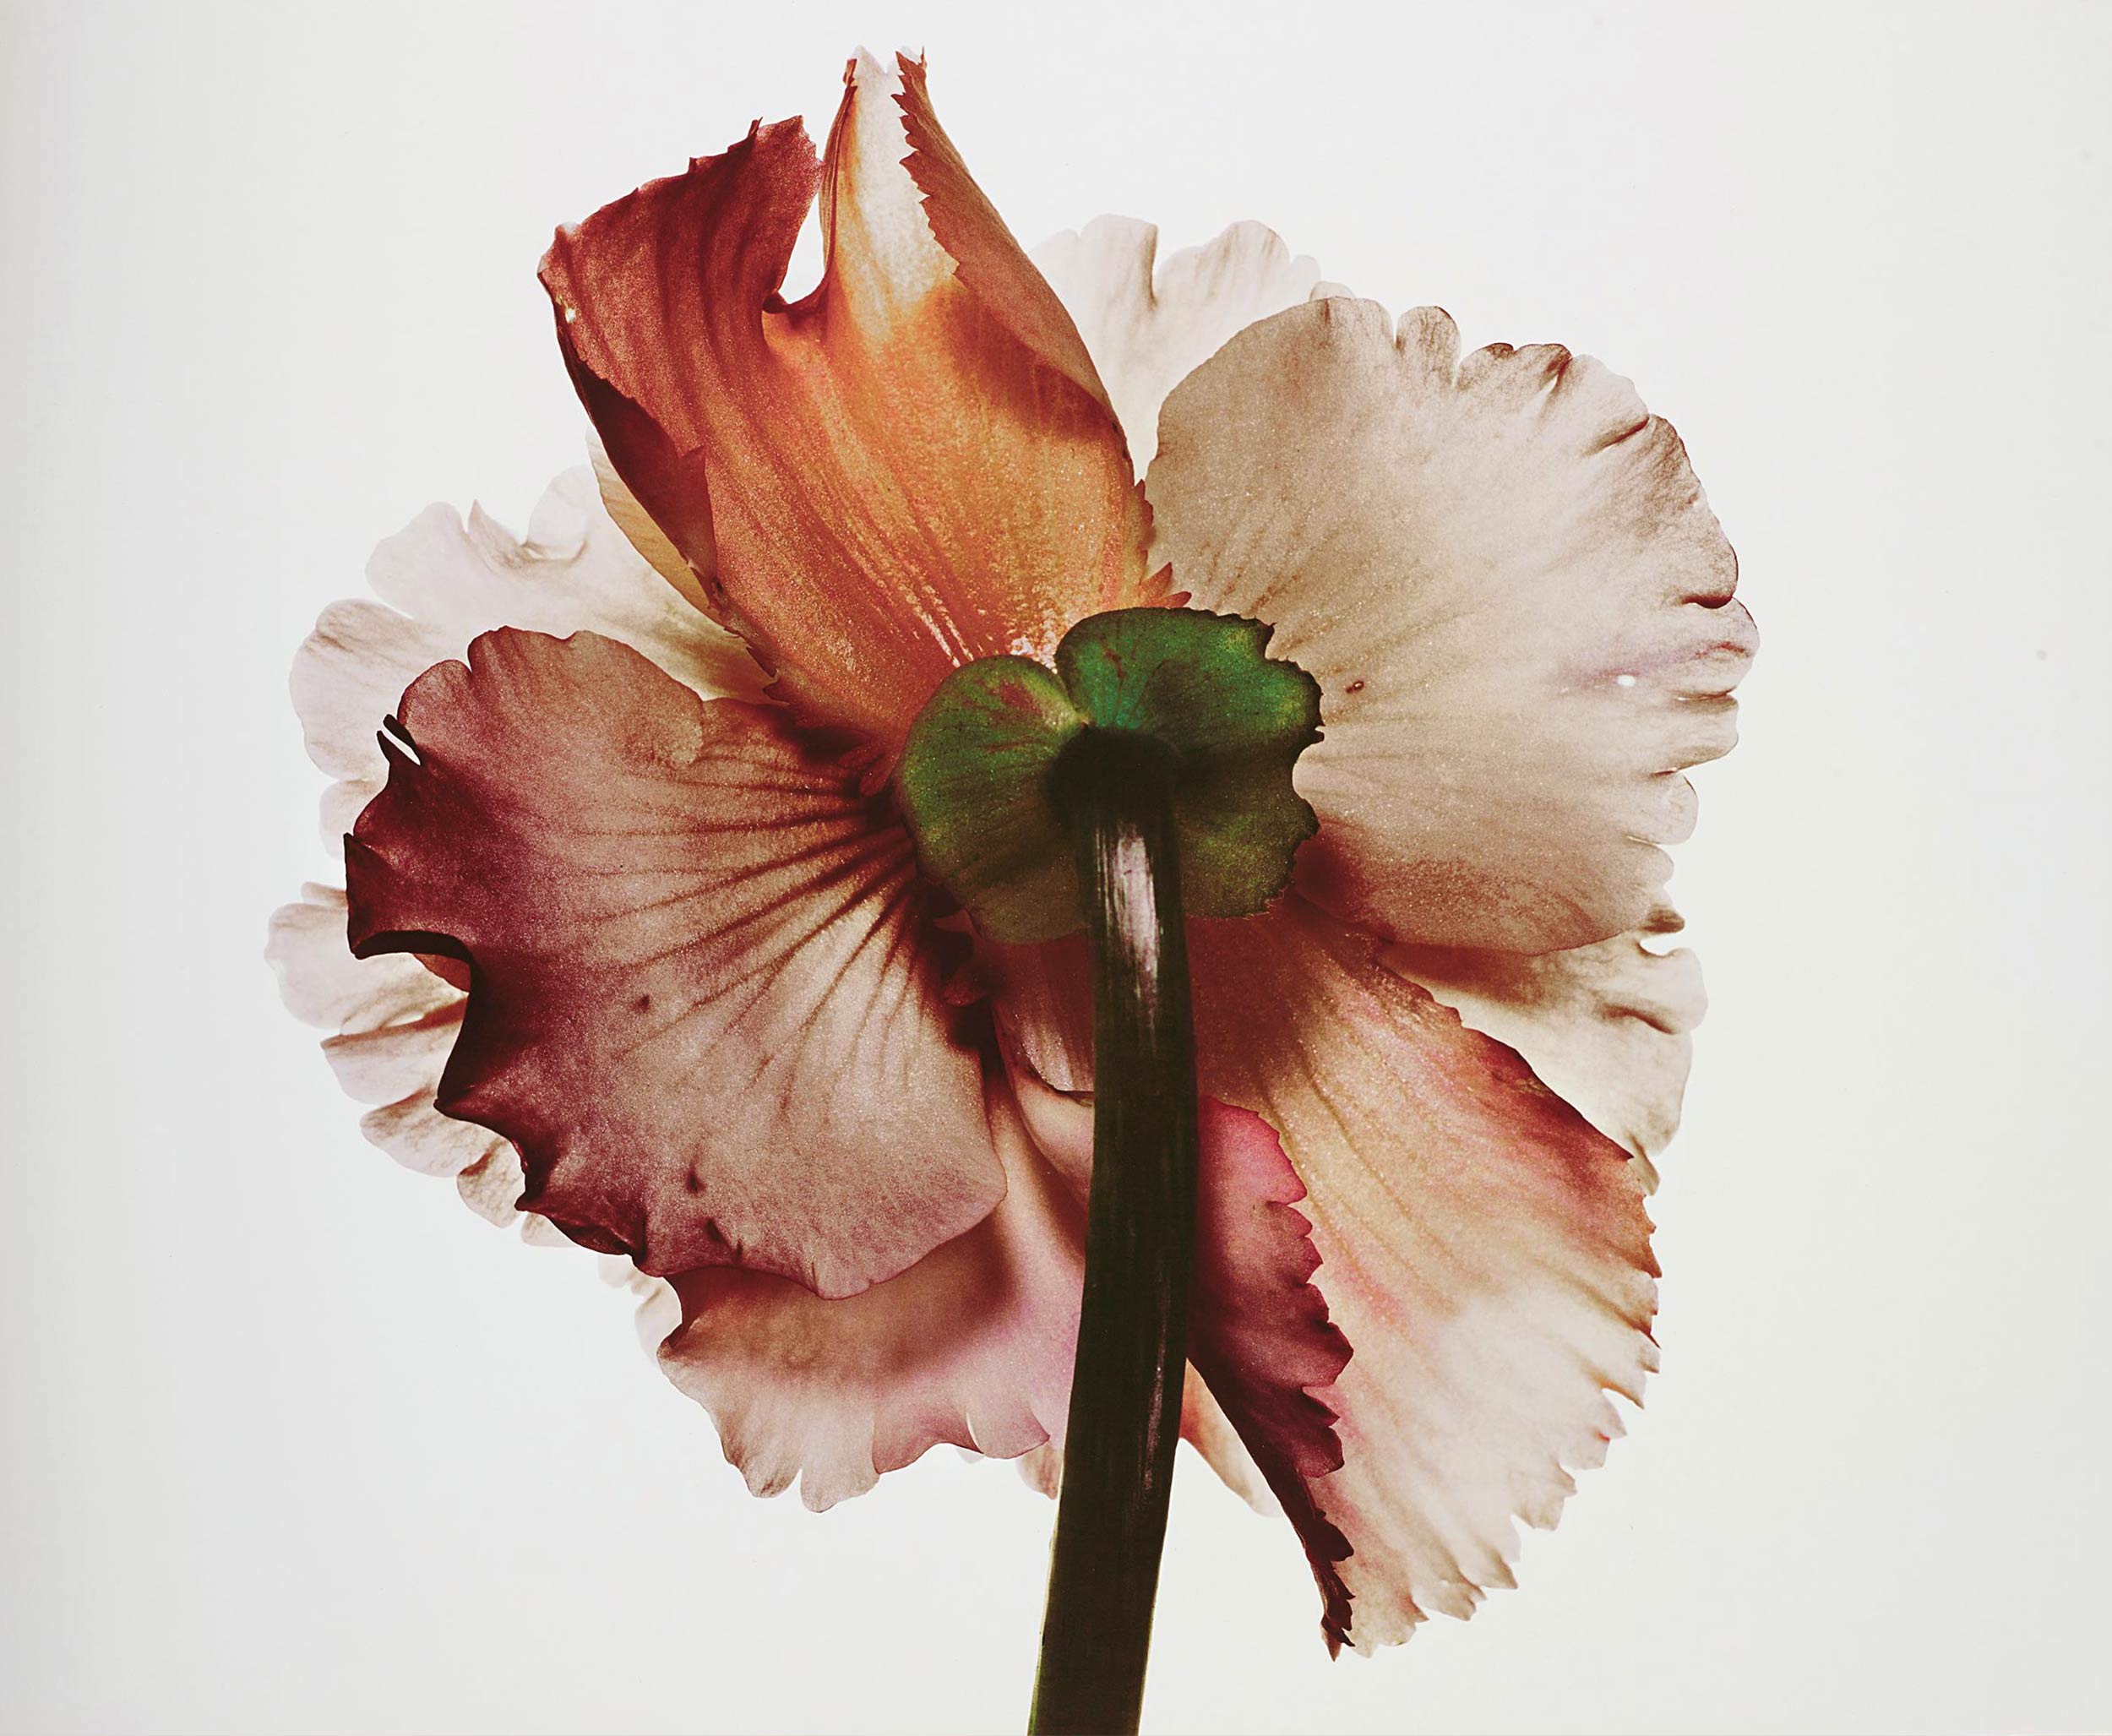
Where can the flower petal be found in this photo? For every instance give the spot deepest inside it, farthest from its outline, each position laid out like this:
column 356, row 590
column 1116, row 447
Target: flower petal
column 911, row 468
column 447, row 580
column 706, row 1004
column 648, row 538
column 391, row 1021
column 1517, row 603
column 1605, row 1026
column 1485, row 1251
column 971, row 1345
column 450, row 579
column 1258, row 1331
column 1148, row 323
column 1260, row 1334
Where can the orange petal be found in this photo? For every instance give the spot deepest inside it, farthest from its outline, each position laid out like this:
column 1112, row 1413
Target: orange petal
column 1504, row 575
column 1485, row 1251
column 705, row 1002
column 911, row 467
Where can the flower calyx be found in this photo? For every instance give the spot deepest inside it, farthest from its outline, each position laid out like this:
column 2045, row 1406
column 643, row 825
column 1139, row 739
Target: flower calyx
column 990, row 770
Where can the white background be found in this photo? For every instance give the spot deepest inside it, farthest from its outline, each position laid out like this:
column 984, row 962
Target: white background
column 293, row 1442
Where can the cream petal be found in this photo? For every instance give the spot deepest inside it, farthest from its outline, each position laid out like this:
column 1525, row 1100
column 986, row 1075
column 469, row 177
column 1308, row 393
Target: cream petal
column 1147, row 323
column 385, row 1065
column 324, row 985
column 493, row 1186
column 1484, row 1250
column 419, row 1137
column 392, row 1022
column 1502, row 572
column 648, row 538
column 1607, row 1027
column 444, row 578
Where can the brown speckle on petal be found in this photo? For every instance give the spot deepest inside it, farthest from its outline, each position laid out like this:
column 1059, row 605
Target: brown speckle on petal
column 585, row 832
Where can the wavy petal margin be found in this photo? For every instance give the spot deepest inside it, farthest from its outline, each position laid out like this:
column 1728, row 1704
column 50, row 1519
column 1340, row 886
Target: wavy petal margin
column 972, row 1346
column 704, row 1004
column 1505, row 579
column 910, row 468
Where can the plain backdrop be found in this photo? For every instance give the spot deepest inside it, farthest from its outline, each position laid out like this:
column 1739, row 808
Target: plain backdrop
column 294, row 1443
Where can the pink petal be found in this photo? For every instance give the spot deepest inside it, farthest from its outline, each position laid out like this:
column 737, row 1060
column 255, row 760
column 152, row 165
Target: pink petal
column 1504, row 575
column 706, row 1005
column 910, row 468
column 1258, row 1333
column 1261, row 1336
column 1484, row 1249
column 971, row 1345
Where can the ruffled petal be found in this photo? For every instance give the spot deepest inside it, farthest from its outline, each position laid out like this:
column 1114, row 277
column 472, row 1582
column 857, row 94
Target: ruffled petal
column 1606, row 1027
column 1518, row 605
column 444, row 578
column 706, row 1004
column 1258, row 1333
column 1260, row 1336
column 910, row 468
column 1148, row 323
column 972, row 1346
column 391, row 1023
column 1483, row 1248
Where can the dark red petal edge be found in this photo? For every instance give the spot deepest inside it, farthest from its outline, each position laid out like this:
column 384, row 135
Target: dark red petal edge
column 1260, row 1334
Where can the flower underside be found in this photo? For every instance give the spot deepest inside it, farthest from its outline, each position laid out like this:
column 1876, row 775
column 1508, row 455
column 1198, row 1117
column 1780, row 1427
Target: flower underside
column 645, row 954
column 981, row 778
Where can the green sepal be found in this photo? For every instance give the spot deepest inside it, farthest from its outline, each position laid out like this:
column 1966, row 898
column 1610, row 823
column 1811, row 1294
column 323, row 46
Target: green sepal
column 979, row 780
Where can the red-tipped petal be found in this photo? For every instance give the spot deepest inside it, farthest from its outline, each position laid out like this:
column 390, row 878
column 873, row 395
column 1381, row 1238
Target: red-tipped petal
column 911, row 467
column 1483, row 1247
column 704, row 1004
column 1259, row 1333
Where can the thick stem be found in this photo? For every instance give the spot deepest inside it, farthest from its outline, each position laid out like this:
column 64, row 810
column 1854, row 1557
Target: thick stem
column 1126, row 1399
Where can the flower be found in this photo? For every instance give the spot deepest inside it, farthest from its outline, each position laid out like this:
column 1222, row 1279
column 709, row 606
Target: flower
column 644, row 950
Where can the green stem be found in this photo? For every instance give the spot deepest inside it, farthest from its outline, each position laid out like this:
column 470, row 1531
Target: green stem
column 1125, row 1400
